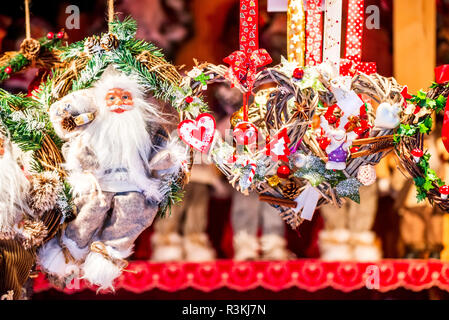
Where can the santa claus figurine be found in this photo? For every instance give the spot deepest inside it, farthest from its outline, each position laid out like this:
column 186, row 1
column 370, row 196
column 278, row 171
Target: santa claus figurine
column 116, row 156
column 338, row 149
column 23, row 203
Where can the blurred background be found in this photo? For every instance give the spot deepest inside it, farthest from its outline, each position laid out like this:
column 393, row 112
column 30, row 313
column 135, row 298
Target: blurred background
column 213, row 222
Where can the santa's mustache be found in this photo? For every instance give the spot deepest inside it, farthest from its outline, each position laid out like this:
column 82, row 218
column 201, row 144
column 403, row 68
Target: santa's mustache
column 123, row 107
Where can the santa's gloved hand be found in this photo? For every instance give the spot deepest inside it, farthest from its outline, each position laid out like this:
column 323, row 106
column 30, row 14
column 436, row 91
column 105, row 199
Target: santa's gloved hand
column 152, row 192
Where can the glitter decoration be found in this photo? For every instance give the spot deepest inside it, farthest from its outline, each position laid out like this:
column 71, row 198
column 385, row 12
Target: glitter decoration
column 273, row 181
column 366, row 175
column 349, row 189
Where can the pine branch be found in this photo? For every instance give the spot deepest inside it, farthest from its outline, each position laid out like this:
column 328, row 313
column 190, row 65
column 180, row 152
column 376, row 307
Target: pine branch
column 124, row 30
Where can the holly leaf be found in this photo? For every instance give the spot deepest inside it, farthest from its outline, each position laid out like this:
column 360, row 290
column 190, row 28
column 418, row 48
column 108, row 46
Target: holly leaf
column 419, row 181
column 428, row 185
column 441, row 103
column 423, row 128
column 421, row 196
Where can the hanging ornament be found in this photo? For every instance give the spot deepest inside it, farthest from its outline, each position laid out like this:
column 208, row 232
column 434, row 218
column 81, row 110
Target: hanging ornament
column 236, row 118
column 367, row 175
column 283, row 172
column 198, row 134
column 245, row 133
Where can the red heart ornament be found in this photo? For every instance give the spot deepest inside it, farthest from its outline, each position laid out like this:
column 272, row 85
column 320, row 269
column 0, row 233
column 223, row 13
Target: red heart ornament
column 198, row 134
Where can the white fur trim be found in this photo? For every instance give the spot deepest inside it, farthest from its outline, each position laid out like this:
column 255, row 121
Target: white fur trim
column 365, row 238
column 338, row 235
column 52, row 260
column 77, row 253
column 274, row 247
column 365, row 247
column 198, row 248
column 119, row 254
column 246, row 246
column 334, row 245
column 166, row 247
column 100, row 271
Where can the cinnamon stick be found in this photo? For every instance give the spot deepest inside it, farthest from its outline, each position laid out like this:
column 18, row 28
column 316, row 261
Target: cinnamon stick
column 278, row 201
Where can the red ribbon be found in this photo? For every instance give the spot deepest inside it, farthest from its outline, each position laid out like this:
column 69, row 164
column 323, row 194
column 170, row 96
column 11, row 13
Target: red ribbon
column 442, row 76
column 243, row 68
column 351, row 68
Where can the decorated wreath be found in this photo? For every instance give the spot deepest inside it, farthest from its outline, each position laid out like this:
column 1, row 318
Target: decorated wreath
column 417, row 122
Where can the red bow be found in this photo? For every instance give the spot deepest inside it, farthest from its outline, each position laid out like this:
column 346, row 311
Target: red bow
column 243, row 68
column 350, row 68
column 442, row 74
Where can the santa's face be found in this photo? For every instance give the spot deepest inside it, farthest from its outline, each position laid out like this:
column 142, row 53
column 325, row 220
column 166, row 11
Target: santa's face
column 119, row 100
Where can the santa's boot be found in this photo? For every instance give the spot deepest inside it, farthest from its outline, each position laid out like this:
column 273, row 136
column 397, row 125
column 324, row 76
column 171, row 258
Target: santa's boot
column 166, row 247
column 104, row 264
column 334, row 245
column 198, row 248
column 274, row 247
column 246, row 247
column 365, row 246
column 60, row 259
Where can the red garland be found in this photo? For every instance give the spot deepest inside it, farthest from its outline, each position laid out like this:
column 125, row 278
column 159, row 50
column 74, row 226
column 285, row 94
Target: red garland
column 305, row 274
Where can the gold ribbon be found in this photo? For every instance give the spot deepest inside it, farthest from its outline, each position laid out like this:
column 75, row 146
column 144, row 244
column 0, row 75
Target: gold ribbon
column 296, row 33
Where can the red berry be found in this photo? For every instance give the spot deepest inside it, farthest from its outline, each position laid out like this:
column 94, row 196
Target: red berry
column 50, row 35
column 298, row 73
column 60, row 35
column 8, row 70
column 189, row 99
column 283, row 172
column 355, row 149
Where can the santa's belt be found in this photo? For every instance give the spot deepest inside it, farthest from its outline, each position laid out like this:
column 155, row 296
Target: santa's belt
column 109, row 171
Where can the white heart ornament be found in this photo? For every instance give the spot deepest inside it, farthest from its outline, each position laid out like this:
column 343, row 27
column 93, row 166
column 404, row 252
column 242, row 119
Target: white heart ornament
column 198, row 134
column 387, row 116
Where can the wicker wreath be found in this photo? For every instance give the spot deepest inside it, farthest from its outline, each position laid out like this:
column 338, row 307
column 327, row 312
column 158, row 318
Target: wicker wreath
column 416, row 123
column 292, row 107
column 42, row 54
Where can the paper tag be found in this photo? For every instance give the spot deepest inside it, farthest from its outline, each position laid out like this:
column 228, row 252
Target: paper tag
column 307, row 202
column 277, row 5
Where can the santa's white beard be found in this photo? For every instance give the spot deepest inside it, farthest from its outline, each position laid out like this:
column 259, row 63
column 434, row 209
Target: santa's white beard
column 121, row 140
column 14, row 188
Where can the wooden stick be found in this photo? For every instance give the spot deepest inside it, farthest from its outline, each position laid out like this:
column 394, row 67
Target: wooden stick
column 278, row 201
column 361, row 142
column 110, row 13
column 27, row 20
